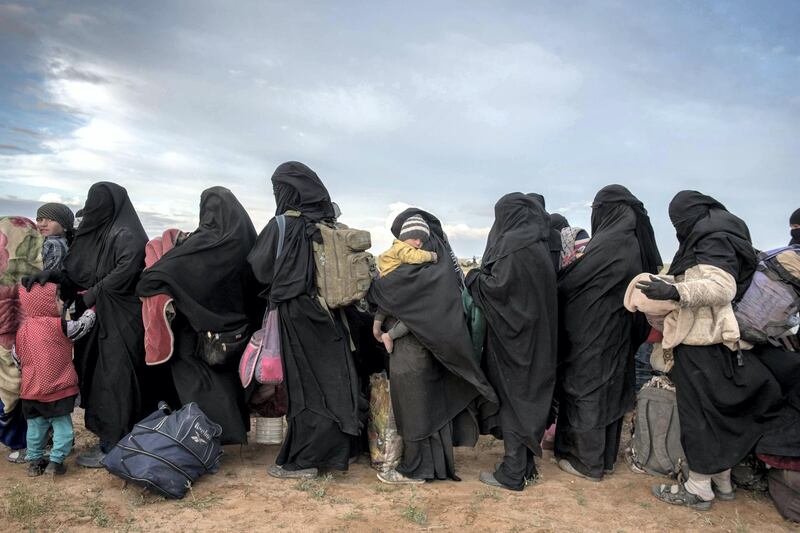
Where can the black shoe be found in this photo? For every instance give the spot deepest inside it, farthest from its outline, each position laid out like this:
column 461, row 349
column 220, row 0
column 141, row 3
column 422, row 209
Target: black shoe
column 37, row 467
column 55, row 469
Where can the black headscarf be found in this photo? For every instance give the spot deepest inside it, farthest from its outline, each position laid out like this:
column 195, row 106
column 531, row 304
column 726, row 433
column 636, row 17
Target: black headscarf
column 606, row 209
column 208, row 275
column 708, row 234
column 558, row 221
column 554, row 234
column 107, row 211
column 296, row 188
column 795, row 232
column 519, row 221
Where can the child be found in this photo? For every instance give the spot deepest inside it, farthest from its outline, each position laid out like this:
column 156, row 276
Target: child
column 49, row 382
column 55, row 223
column 404, row 251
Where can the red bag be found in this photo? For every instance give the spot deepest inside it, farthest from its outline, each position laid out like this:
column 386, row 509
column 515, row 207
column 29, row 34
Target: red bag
column 262, row 356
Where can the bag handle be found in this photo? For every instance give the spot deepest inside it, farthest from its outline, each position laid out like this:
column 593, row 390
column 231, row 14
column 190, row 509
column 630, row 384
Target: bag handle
column 281, row 220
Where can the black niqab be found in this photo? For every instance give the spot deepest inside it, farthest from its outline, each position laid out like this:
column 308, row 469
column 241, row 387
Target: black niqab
column 558, row 221
column 606, row 201
column 208, row 275
column 707, row 234
column 106, row 258
column 520, row 350
column 554, row 234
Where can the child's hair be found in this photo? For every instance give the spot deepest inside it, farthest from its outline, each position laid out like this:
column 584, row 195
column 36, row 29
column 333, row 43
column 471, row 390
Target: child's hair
column 61, row 214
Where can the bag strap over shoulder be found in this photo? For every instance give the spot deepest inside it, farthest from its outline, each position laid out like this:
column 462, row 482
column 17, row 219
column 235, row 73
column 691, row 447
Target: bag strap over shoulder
column 281, row 220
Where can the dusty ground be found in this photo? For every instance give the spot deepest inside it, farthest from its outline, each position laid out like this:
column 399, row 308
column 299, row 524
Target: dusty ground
column 241, row 497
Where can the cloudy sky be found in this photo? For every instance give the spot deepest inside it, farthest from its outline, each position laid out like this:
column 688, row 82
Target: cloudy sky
column 444, row 105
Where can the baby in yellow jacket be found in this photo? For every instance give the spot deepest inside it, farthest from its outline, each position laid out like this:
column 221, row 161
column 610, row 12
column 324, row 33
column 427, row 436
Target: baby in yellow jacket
column 404, row 251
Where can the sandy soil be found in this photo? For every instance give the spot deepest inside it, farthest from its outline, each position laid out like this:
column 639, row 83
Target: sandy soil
column 241, row 497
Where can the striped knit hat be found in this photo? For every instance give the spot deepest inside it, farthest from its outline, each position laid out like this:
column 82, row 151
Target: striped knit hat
column 415, row 227
column 57, row 213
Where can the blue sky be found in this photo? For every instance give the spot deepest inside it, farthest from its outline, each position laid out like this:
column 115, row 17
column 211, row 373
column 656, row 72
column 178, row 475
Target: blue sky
column 443, row 105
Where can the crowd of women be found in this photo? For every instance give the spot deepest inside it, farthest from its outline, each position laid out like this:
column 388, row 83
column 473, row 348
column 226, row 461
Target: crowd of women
column 556, row 329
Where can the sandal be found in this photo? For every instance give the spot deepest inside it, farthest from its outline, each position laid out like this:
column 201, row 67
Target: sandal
column 281, row 473
column 678, row 495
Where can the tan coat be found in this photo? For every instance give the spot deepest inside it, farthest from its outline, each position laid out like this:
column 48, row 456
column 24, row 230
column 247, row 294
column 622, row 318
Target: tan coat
column 704, row 315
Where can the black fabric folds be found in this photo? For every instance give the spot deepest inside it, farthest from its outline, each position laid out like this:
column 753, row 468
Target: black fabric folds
column 319, row 372
column 106, row 258
column 598, row 336
column 516, row 290
column 611, row 197
column 553, row 232
column 708, row 234
column 427, row 298
column 296, row 188
column 214, row 290
column 207, row 275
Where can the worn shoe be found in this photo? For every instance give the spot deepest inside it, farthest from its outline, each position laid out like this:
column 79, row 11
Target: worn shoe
column 37, row 467
column 55, row 469
column 16, row 457
column 91, row 458
column 393, row 477
column 489, row 479
column 723, row 496
column 678, row 495
column 567, row 467
column 281, row 473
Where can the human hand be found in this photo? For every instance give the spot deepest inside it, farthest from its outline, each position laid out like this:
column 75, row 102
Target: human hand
column 41, row 278
column 376, row 330
column 388, row 342
column 658, row 289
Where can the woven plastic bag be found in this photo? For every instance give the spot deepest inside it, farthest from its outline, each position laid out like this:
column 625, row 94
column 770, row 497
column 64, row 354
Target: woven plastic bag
column 385, row 443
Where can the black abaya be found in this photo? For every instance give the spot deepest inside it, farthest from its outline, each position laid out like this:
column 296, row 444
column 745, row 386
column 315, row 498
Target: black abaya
column 598, row 336
column 724, row 407
column 213, row 290
column 319, row 373
column 106, row 259
column 516, row 291
column 434, row 373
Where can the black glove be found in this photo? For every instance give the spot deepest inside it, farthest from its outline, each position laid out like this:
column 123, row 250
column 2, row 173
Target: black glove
column 41, row 278
column 88, row 299
column 658, row 289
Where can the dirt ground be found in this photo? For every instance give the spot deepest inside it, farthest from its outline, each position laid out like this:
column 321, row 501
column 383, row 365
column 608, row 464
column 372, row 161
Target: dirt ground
column 241, row 497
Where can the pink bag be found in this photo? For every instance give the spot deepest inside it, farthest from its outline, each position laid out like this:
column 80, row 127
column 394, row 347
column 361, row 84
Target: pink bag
column 262, row 356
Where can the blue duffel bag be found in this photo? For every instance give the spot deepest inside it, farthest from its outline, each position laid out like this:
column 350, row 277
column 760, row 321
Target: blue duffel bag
column 167, row 451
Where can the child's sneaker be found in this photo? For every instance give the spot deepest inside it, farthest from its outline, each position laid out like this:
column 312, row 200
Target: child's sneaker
column 55, row 469
column 37, row 467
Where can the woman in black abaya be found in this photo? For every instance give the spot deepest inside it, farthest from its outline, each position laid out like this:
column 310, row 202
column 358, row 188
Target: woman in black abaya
column 435, row 376
column 106, row 259
column 319, row 372
column 214, row 290
column 598, row 336
column 723, row 394
column 515, row 289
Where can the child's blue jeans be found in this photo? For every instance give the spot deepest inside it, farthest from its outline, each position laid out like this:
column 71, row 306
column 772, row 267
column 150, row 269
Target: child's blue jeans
column 37, row 437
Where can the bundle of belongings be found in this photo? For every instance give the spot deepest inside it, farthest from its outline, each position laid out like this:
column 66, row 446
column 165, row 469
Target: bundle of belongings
column 167, row 451
column 385, row 443
column 20, row 255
